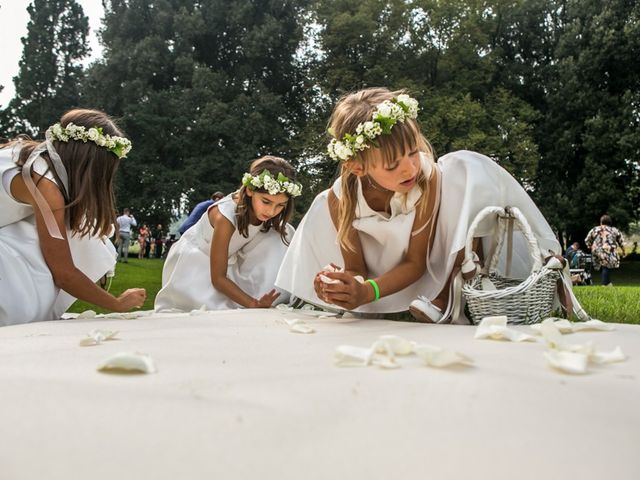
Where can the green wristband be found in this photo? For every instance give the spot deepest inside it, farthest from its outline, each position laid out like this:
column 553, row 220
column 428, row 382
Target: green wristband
column 376, row 289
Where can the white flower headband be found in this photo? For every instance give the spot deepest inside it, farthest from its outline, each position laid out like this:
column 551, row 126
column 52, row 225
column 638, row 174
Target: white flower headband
column 118, row 145
column 386, row 115
column 272, row 185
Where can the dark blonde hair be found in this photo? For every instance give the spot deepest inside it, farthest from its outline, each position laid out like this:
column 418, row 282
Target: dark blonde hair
column 354, row 109
column 274, row 165
column 89, row 203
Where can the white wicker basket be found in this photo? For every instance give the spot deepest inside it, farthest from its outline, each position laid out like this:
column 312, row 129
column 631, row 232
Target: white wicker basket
column 522, row 301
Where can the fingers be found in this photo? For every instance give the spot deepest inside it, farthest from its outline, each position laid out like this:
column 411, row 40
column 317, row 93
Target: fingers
column 342, row 276
column 339, row 297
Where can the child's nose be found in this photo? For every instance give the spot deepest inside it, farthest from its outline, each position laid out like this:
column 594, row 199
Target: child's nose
column 408, row 166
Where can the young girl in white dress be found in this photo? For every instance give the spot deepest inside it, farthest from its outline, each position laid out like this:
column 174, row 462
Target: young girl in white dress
column 395, row 217
column 56, row 212
column 230, row 258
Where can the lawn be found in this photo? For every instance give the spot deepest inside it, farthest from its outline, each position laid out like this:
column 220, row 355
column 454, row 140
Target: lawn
column 145, row 273
column 620, row 303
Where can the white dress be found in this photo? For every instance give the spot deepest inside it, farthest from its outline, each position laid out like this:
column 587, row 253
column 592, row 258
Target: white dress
column 27, row 290
column 469, row 182
column 253, row 264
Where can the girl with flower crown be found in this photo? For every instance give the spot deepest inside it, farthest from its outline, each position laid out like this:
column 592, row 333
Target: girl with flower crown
column 56, row 213
column 388, row 234
column 241, row 239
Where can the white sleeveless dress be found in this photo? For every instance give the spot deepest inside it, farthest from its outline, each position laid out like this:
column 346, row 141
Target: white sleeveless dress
column 27, row 290
column 253, row 264
column 469, row 182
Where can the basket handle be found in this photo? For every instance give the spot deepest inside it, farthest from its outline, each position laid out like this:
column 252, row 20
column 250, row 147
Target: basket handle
column 532, row 243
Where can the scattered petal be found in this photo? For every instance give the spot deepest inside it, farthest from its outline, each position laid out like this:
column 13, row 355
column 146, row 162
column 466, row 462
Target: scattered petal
column 298, row 326
column 434, row 356
column 124, row 362
column 568, row 362
column 565, row 326
column 394, row 344
column 349, row 356
column 283, row 307
column 96, row 337
column 87, row 314
column 201, row 311
column 615, row 355
column 495, row 328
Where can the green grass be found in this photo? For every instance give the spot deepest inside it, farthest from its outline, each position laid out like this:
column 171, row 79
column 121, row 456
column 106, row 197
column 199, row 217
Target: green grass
column 145, row 273
column 620, row 303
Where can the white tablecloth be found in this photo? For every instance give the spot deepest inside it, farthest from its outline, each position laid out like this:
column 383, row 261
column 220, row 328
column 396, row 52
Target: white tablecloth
column 238, row 396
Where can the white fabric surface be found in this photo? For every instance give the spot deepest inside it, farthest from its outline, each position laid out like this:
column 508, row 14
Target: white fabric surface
column 470, row 182
column 27, row 291
column 253, row 264
column 238, row 396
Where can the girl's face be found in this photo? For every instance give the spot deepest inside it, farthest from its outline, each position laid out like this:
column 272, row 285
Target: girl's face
column 266, row 206
column 399, row 176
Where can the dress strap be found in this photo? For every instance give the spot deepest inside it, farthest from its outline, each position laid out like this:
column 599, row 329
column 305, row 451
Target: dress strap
column 45, row 209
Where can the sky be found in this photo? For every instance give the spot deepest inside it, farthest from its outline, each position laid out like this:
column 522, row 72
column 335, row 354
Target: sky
column 14, row 19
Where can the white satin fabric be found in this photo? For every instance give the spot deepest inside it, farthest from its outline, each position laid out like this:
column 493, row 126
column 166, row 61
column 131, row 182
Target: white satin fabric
column 252, row 264
column 27, row 290
column 469, row 182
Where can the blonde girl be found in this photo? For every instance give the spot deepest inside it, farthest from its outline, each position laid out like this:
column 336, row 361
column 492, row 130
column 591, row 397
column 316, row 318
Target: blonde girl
column 388, row 234
column 230, row 257
column 56, row 212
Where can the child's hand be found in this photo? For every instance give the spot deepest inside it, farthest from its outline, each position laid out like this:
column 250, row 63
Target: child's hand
column 320, row 280
column 349, row 293
column 266, row 300
column 131, row 298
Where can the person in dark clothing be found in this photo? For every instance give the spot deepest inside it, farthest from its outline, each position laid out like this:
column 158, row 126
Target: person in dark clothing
column 198, row 211
column 159, row 240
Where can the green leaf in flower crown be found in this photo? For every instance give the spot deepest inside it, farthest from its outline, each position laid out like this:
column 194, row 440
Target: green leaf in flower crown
column 117, row 150
column 282, row 177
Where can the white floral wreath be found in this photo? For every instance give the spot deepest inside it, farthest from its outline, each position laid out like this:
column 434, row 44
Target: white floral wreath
column 120, row 146
column 386, row 115
column 272, row 185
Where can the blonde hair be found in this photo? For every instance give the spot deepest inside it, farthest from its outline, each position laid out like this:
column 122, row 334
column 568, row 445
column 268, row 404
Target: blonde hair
column 274, row 165
column 89, row 203
column 353, row 109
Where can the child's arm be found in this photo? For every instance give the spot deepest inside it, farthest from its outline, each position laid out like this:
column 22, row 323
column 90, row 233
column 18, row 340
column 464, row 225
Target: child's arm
column 222, row 231
column 351, row 294
column 57, row 254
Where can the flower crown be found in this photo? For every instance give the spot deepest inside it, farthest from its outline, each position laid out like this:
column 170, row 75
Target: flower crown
column 274, row 186
column 386, row 115
column 118, row 145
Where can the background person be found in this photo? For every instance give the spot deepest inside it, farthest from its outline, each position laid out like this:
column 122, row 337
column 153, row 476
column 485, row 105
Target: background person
column 604, row 241
column 125, row 222
column 198, row 211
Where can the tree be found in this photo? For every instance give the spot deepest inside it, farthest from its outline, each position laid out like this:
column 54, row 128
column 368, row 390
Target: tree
column 50, row 70
column 201, row 88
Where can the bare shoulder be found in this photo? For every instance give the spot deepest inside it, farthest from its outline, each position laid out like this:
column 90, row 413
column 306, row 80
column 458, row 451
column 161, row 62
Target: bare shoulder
column 218, row 220
column 47, row 188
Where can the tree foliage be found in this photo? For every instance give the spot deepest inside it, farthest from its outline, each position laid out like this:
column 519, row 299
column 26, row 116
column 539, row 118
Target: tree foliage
column 50, row 67
column 550, row 89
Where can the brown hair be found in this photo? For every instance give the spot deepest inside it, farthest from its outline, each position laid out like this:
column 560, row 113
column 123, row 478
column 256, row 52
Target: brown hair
column 89, row 203
column 354, row 109
column 274, row 165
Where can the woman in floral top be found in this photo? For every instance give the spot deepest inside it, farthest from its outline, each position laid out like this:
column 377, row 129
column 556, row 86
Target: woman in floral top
column 603, row 241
